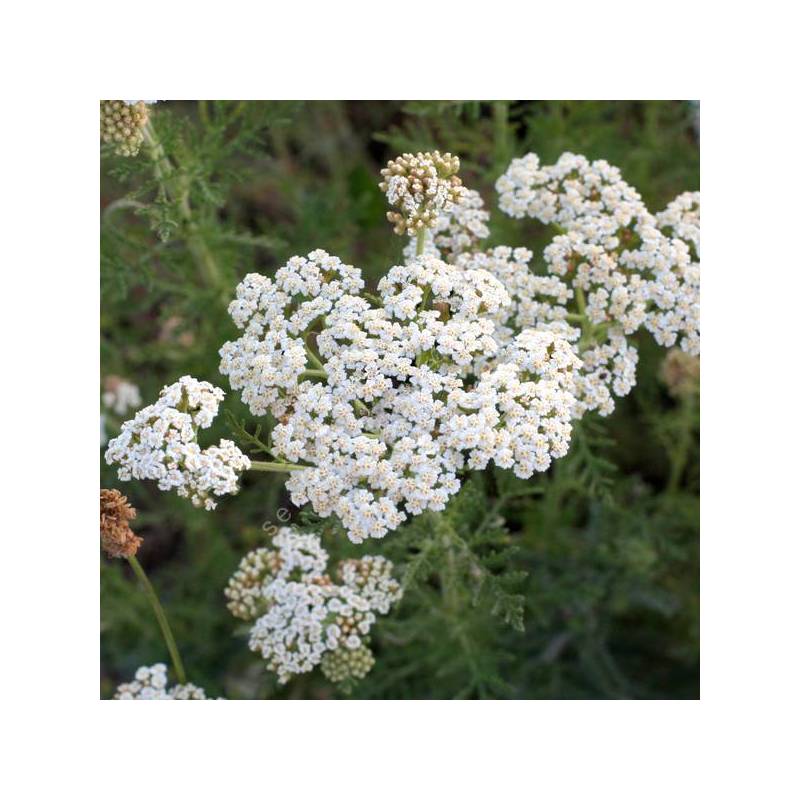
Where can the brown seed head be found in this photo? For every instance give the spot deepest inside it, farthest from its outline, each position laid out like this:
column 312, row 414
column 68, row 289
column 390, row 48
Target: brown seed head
column 116, row 537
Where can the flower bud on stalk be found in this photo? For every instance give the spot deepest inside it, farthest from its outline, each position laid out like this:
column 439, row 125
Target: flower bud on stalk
column 122, row 125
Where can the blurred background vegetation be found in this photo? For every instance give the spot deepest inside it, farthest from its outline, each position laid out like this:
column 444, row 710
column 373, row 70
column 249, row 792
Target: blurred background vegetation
column 594, row 587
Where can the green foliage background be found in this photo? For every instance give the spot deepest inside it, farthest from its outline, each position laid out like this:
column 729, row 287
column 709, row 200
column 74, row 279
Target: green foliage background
column 580, row 583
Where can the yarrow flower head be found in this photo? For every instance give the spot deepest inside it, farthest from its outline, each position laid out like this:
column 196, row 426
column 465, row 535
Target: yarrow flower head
column 419, row 187
column 150, row 683
column 302, row 617
column 370, row 429
column 621, row 268
column 160, row 443
column 268, row 361
column 379, row 404
column 122, row 125
column 570, row 190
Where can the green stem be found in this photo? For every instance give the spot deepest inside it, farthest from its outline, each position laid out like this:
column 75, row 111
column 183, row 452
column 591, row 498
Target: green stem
column 364, row 409
column 453, row 602
column 176, row 189
column 587, row 328
column 314, row 359
column 421, row 241
column 274, row 466
column 502, row 153
column 163, row 623
column 202, row 107
column 681, row 451
column 313, row 373
column 117, row 205
column 580, row 299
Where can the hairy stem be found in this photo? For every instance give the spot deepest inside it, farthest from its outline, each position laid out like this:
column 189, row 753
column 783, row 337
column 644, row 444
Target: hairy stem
column 163, row 623
column 176, row 188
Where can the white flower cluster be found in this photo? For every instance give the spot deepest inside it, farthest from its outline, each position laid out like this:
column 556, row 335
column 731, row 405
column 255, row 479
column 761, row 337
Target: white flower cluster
column 150, row 683
column 456, row 231
column 420, row 186
column 569, row 191
column 614, row 269
column 381, row 402
column 403, row 398
column 681, row 219
column 301, row 617
column 160, row 443
column 536, row 301
column 267, row 362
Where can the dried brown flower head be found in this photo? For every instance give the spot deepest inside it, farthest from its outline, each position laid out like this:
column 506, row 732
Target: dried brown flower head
column 116, row 537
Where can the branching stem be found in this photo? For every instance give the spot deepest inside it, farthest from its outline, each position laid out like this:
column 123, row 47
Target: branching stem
column 176, row 188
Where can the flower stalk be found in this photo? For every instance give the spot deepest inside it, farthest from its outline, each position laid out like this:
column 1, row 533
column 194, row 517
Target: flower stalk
column 274, row 466
column 421, row 241
column 161, row 617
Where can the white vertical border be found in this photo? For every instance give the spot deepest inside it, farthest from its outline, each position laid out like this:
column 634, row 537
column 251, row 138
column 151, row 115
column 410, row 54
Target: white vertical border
column 59, row 59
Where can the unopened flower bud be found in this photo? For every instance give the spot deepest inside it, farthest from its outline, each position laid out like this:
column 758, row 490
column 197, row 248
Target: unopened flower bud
column 122, row 125
column 420, row 186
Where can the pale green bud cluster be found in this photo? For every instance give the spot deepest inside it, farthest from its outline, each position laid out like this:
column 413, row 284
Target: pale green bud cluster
column 419, row 187
column 122, row 125
column 343, row 665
